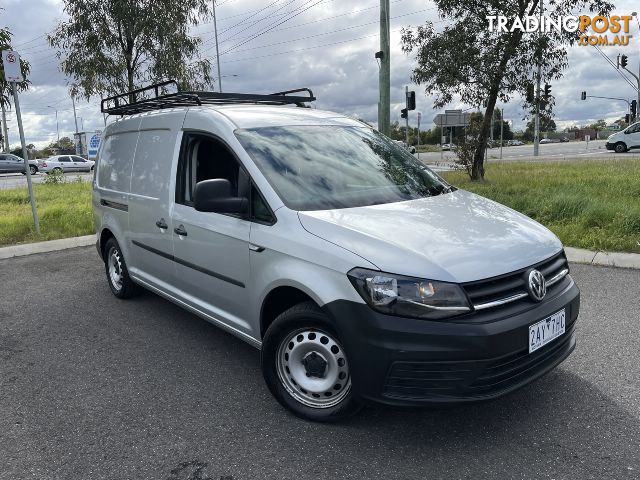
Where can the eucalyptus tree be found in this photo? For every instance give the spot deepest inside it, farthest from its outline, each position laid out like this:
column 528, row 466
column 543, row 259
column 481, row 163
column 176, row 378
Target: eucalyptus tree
column 482, row 65
column 114, row 46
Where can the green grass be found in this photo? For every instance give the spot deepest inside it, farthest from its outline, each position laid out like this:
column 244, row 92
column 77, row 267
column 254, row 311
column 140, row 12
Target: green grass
column 592, row 204
column 64, row 211
column 428, row 148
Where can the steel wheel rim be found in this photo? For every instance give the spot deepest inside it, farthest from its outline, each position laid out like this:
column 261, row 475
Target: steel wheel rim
column 299, row 354
column 115, row 269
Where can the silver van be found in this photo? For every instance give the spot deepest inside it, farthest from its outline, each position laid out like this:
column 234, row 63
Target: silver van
column 360, row 274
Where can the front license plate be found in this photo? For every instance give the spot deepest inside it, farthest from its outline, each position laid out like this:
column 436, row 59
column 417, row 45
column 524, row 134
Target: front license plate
column 546, row 331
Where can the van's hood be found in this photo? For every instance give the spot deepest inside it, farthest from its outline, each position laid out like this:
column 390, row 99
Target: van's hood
column 456, row 237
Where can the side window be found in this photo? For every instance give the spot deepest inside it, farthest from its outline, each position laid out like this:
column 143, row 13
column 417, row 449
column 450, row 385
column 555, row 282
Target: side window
column 77, row 159
column 64, row 159
column 205, row 158
column 260, row 212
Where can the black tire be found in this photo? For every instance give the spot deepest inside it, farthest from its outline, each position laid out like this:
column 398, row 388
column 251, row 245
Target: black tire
column 57, row 170
column 304, row 316
column 125, row 288
column 32, row 169
column 620, row 147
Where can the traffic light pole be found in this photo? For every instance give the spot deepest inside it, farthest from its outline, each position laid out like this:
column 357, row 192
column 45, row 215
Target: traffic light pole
column 406, row 105
column 637, row 77
column 536, row 131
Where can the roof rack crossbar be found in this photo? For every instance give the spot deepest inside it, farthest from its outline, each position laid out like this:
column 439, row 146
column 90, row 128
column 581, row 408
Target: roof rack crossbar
column 120, row 104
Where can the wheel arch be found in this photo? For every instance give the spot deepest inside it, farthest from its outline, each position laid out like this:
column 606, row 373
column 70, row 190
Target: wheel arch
column 278, row 300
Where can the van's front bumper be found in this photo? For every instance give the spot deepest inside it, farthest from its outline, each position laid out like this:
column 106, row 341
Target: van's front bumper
column 610, row 146
column 404, row 361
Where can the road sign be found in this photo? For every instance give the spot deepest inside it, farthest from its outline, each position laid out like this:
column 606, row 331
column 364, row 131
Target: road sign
column 94, row 143
column 11, row 64
column 452, row 118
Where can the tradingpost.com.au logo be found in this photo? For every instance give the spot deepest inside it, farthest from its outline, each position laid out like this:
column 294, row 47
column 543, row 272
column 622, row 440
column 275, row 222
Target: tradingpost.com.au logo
column 597, row 30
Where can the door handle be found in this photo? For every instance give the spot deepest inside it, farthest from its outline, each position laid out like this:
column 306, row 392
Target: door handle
column 162, row 224
column 180, row 231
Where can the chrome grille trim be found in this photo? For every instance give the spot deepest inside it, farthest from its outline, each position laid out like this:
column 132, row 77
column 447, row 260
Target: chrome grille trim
column 512, row 298
column 559, row 276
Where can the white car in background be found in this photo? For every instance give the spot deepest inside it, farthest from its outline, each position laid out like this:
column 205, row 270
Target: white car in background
column 66, row 163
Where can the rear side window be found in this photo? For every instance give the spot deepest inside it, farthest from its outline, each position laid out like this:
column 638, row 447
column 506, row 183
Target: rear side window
column 152, row 163
column 116, row 160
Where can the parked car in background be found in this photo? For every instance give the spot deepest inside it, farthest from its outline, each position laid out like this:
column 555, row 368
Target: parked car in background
column 545, row 140
column 515, row 143
column 448, row 146
column 10, row 163
column 410, row 148
column 564, row 139
column 66, row 163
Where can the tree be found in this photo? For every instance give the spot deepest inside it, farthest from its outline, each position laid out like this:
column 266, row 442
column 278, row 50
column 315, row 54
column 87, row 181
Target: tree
column 5, row 88
column 547, row 124
column 480, row 65
column 599, row 125
column 114, row 46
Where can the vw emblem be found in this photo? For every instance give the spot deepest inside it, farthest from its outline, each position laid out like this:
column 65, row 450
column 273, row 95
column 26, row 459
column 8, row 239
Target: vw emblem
column 536, row 285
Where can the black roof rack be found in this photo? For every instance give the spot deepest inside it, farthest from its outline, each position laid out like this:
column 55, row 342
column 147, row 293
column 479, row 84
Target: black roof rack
column 168, row 95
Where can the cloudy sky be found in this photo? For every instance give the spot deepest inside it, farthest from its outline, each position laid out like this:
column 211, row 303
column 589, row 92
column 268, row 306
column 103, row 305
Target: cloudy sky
column 329, row 48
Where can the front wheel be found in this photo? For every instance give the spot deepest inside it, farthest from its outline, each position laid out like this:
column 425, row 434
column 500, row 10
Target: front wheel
column 305, row 366
column 33, row 170
column 620, row 147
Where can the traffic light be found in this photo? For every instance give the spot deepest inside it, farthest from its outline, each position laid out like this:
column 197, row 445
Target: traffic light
column 584, row 96
column 531, row 96
column 411, row 101
column 403, row 113
column 624, row 61
column 634, row 108
column 547, row 90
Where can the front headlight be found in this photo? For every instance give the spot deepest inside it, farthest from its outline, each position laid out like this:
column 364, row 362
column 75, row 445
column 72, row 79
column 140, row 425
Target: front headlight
column 408, row 296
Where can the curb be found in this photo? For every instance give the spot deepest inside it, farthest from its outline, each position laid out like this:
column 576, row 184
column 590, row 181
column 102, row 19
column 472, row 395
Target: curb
column 48, row 246
column 605, row 259
column 574, row 255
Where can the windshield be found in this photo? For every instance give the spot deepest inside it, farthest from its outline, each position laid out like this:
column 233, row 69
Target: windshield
column 329, row 167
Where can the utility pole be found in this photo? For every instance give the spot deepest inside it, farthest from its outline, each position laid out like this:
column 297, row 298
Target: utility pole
column 5, row 135
column 536, row 132
column 419, row 118
column 75, row 118
column 501, row 130
column 384, row 80
column 215, row 30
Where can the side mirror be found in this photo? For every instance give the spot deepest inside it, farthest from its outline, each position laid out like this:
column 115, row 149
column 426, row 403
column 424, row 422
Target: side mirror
column 215, row 196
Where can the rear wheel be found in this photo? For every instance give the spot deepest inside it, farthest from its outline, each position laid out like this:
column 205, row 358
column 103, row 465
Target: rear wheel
column 620, row 147
column 57, row 170
column 117, row 274
column 306, row 367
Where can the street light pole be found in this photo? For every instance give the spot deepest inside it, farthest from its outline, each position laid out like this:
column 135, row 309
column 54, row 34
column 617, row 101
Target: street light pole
column 5, row 135
column 57, row 127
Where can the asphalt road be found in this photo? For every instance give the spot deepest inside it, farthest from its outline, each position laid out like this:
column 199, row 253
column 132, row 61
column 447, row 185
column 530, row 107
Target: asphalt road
column 19, row 180
column 92, row 387
column 551, row 151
